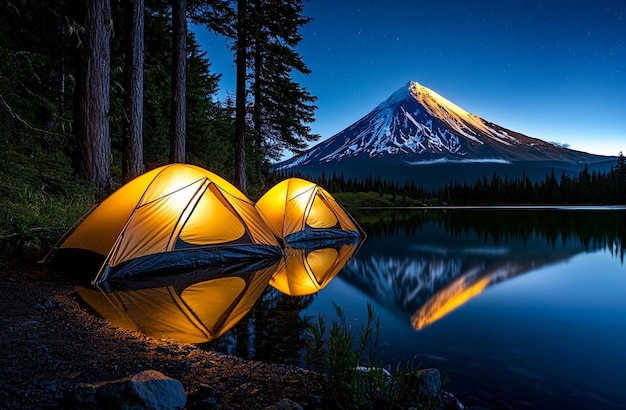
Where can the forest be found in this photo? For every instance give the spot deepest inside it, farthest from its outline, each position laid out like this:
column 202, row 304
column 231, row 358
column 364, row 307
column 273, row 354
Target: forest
column 120, row 87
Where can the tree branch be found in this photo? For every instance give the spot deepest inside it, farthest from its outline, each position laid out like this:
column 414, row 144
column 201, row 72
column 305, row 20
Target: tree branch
column 26, row 124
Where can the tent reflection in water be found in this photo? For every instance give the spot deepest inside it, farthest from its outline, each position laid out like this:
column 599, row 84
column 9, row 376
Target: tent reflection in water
column 299, row 210
column 307, row 271
column 202, row 311
column 174, row 217
column 192, row 313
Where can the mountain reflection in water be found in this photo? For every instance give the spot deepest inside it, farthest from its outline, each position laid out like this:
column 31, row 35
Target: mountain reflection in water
column 519, row 308
column 423, row 264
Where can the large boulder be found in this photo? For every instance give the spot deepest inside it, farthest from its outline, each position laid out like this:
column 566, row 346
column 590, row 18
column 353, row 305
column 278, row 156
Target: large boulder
column 149, row 389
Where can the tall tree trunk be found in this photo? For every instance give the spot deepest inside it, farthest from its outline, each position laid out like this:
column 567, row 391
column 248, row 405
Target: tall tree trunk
column 94, row 145
column 240, row 95
column 258, row 77
column 178, row 124
column 132, row 155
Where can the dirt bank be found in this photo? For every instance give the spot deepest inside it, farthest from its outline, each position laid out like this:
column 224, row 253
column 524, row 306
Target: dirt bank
column 50, row 343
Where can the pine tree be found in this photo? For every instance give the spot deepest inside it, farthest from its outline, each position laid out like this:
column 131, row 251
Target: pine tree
column 282, row 108
column 264, row 36
column 620, row 179
column 210, row 124
column 241, row 61
column 39, row 52
column 178, row 118
column 584, row 185
column 94, row 142
column 620, row 167
column 132, row 152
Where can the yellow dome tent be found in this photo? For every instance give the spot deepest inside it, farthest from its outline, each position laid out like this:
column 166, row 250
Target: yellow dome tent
column 177, row 216
column 298, row 210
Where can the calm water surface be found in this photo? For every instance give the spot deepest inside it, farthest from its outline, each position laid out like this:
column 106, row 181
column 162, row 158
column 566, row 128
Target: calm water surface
column 517, row 308
column 523, row 307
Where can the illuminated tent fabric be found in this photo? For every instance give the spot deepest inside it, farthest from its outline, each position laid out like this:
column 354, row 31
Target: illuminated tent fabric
column 194, row 313
column 307, row 271
column 299, row 210
column 173, row 217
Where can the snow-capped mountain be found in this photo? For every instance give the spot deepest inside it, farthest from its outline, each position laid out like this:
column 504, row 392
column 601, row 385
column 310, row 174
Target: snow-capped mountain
column 416, row 126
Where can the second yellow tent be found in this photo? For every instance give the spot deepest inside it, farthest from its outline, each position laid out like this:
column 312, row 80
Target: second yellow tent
column 297, row 210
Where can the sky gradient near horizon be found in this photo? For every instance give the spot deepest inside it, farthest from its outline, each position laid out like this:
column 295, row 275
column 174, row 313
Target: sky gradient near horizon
column 554, row 70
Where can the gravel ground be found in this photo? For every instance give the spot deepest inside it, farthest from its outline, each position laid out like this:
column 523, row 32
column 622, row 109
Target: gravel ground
column 51, row 343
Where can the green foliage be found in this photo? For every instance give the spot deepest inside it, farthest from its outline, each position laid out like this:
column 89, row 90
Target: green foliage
column 38, row 191
column 353, row 379
column 35, row 86
column 341, row 355
column 315, row 346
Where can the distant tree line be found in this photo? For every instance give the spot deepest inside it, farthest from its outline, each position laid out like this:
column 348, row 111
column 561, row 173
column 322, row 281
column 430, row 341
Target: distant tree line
column 123, row 86
column 592, row 230
column 587, row 188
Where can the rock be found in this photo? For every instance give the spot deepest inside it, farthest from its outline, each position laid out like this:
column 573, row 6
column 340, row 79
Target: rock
column 39, row 307
column 448, row 401
column 315, row 401
column 209, row 403
column 30, row 248
column 157, row 391
column 429, row 382
column 149, row 389
column 163, row 349
column 285, row 404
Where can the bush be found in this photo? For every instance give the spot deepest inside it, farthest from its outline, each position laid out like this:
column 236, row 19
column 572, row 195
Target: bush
column 353, row 379
column 39, row 197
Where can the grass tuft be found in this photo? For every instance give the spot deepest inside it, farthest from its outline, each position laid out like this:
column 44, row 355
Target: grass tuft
column 354, row 380
column 39, row 196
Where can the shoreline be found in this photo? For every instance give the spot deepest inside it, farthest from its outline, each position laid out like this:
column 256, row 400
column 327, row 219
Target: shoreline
column 52, row 344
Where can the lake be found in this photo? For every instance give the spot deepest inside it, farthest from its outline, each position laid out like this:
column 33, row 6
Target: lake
column 518, row 308
column 522, row 306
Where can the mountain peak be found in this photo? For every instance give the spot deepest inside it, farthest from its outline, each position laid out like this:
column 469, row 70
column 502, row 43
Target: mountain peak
column 417, row 126
column 426, row 95
column 456, row 117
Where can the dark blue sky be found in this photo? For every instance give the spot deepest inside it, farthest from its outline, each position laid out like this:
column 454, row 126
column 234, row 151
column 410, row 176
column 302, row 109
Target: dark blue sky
column 554, row 70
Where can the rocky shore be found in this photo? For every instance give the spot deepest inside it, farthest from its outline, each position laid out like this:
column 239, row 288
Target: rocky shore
column 51, row 344
column 56, row 353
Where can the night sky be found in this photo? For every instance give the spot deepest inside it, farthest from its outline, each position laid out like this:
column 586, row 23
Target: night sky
column 554, row 70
